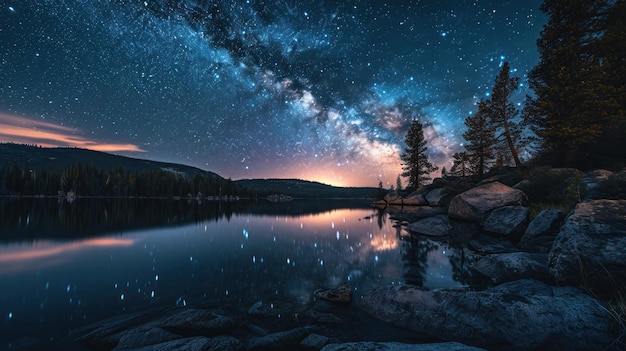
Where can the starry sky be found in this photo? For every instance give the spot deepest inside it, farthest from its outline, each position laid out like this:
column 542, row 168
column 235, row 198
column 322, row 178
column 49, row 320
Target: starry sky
column 317, row 90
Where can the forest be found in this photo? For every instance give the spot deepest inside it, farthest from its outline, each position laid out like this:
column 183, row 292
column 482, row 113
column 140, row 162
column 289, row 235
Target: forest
column 90, row 180
column 576, row 116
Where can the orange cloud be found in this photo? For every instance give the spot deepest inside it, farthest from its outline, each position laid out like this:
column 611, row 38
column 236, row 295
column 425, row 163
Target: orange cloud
column 27, row 131
column 46, row 250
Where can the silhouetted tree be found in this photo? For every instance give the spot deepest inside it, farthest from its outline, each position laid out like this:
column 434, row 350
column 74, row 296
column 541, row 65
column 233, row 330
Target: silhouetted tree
column 579, row 108
column 502, row 114
column 416, row 166
column 481, row 138
column 462, row 161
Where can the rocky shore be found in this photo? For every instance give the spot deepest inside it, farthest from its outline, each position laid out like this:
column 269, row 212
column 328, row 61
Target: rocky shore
column 541, row 283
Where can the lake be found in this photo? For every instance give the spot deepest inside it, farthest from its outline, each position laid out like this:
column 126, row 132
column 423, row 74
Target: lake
column 65, row 265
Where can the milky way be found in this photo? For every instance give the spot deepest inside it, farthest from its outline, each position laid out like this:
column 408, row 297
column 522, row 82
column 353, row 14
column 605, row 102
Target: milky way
column 318, row 90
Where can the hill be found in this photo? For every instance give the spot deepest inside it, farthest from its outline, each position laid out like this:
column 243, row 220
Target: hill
column 59, row 160
column 306, row 189
column 54, row 159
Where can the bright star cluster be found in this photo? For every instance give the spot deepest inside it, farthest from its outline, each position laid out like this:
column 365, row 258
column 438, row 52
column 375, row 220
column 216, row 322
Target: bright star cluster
column 317, row 90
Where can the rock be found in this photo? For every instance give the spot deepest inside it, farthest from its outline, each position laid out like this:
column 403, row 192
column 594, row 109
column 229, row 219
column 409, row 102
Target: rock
column 106, row 334
column 412, row 214
column 392, row 197
column 414, row 199
column 198, row 343
column 510, row 221
column 437, row 197
column 522, row 185
column 192, row 321
column 477, row 203
column 379, row 204
column 324, row 318
column 592, row 180
column 488, row 244
column 590, row 244
column 339, row 295
column 144, row 335
column 259, row 309
column 287, row 340
column 541, row 231
column 519, row 315
column 431, row 226
column 255, row 329
column 505, row 267
column 396, row 346
column 314, row 342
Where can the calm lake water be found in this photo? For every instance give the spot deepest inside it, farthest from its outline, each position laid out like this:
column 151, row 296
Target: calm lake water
column 65, row 265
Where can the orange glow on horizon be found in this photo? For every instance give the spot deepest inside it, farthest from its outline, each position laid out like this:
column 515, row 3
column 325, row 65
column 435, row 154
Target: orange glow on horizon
column 27, row 131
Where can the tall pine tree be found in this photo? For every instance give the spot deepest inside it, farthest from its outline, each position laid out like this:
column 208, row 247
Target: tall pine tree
column 578, row 111
column 503, row 114
column 416, row 166
column 481, row 138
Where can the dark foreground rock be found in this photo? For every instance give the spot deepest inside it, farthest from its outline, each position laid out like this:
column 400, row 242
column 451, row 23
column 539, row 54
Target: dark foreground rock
column 508, row 221
column 285, row 340
column 395, row 346
column 519, row 315
column 477, row 203
column 542, row 230
column 197, row 343
column 591, row 243
column 505, row 267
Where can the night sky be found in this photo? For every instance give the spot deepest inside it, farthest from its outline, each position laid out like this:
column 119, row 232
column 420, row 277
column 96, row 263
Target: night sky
column 317, row 90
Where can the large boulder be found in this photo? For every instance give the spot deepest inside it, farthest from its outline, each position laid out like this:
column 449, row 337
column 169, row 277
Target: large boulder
column 489, row 244
column 519, row 315
column 590, row 245
column 414, row 199
column 437, row 196
column 541, row 231
column 509, row 221
column 505, row 267
column 431, row 226
column 442, row 225
column 392, row 197
column 477, row 203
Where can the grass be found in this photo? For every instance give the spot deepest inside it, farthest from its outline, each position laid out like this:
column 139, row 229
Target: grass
column 617, row 310
column 611, row 293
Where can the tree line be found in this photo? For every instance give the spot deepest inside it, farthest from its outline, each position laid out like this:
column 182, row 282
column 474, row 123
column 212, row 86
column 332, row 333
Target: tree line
column 576, row 116
column 89, row 180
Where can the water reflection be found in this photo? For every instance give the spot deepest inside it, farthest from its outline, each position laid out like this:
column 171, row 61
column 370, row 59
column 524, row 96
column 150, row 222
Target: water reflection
column 99, row 260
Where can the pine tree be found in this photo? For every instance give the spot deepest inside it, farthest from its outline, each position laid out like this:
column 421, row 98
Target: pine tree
column 416, row 166
column 578, row 111
column 399, row 183
column 462, row 161
column 502, row 113
column 480, row 137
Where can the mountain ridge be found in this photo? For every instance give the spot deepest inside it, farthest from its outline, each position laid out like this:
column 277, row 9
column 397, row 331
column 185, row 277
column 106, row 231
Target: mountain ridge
column 45, row 158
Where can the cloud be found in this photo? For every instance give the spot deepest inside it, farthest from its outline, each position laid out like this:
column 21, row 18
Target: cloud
column 23, row 130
